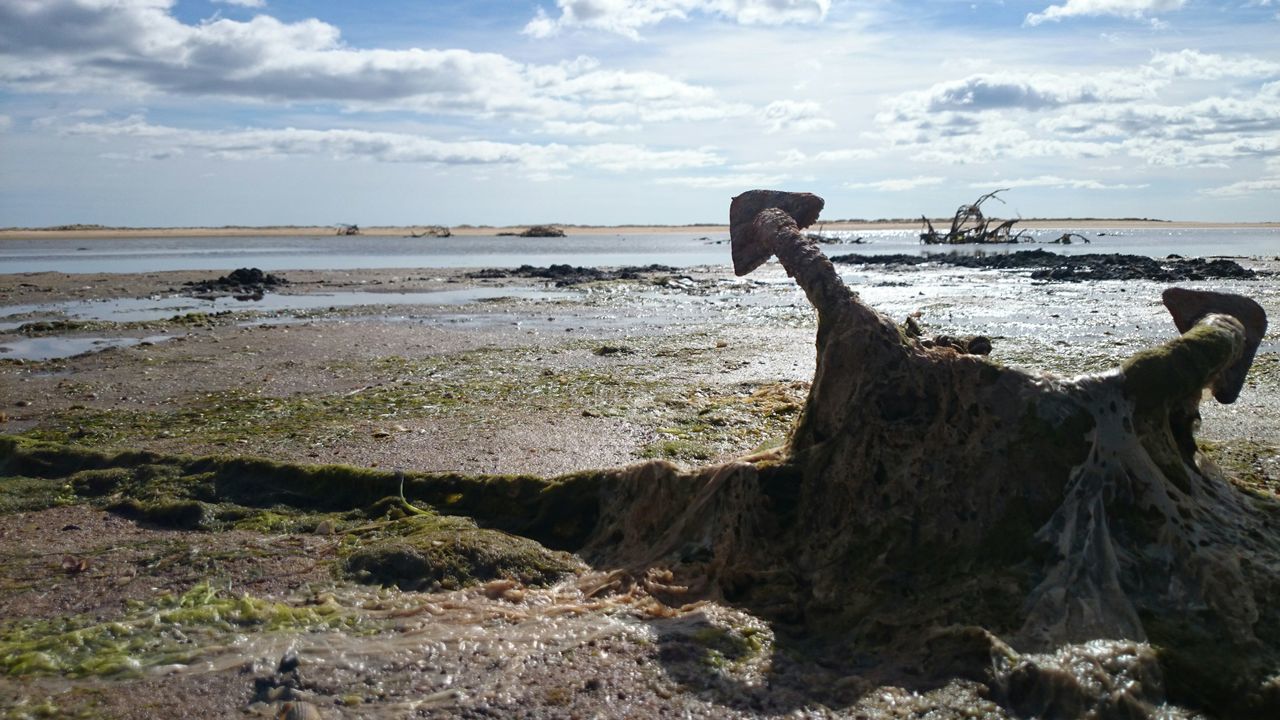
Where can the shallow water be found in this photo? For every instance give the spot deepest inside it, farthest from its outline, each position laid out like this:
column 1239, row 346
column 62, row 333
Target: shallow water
column 121, row 255
column 163, row 307
column 52, row 348
column 130, row 255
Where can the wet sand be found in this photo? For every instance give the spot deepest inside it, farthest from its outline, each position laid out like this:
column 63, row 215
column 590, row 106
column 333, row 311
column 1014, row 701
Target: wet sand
column 692, row 366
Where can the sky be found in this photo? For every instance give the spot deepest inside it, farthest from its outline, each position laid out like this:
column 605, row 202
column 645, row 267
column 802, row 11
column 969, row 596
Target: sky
column 417, row 112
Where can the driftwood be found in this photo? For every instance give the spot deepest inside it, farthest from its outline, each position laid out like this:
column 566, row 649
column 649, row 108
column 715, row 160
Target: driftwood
column 947, row 513
column 1065, row 239
column 970, row 226
column 439, row 231
column 537, row 231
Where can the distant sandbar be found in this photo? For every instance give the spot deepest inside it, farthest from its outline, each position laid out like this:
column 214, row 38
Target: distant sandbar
column 85, row 232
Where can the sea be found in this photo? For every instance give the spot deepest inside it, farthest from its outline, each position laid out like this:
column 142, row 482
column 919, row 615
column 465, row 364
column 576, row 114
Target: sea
column 677, row 249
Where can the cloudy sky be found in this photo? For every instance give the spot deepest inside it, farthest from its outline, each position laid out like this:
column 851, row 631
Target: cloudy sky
column 213, row 112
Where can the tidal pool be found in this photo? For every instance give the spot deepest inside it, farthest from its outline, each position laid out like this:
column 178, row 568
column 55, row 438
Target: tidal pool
column 52, row 348
column 162, row 307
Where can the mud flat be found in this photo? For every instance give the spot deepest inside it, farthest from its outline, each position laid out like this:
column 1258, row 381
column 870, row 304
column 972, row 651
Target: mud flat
column 151, row 564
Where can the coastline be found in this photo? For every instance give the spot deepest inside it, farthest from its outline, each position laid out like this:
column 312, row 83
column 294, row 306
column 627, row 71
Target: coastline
column 486, row 230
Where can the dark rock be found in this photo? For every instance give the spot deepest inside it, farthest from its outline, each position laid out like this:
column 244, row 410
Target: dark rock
column 566, row 275
column 289, row 661
column 978, row 345
column 244, row 284
column 1053, row 267
column 972, row 345
column 605, row 350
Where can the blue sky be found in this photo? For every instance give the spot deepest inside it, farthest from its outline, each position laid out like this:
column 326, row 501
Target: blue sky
column 201, row 112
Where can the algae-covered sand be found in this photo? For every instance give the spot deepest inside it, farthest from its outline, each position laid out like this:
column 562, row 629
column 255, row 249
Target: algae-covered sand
column 150, row 566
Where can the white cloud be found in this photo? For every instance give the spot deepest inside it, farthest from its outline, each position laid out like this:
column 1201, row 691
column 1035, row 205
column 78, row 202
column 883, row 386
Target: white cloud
column 1202, row 121
column 6, row 122
column 1052, row 181
column 584, row 129
column 741, row 181
column 897, row 184
column 625, row 158
column 390, row 147
column 1208, row 66
column 627, row 17
column 794, row 116
column 1246, row 187
column 845, row 155
column 798, row 158
column 1175, row 153
column 244, row 3
column 1026, row 91
column 138, row 47
column 1133, row 9
column 1115, row 112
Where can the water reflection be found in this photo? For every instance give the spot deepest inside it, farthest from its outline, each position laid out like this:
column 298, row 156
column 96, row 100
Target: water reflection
column 52, row 348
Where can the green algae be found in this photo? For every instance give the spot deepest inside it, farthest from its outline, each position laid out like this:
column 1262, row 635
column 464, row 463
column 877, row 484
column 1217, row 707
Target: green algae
column 1252, row 465
column 378, row 540
column 41, row 328
column 432, row 552
column 470, row 387
column 25, row 494
column 44, row 708
column 418, row 390
column 216, row 492
column 727, row 647
column 1179, row 369
column 677, row 449
column 423, row 551
column 1058, row 357
column 706, row 423
column 172, row 514
column 170, row 629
